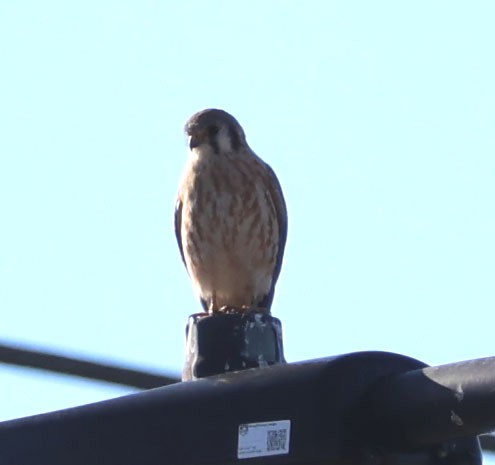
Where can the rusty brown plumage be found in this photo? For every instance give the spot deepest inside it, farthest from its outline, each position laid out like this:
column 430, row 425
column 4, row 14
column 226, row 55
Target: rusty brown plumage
column 230, row 218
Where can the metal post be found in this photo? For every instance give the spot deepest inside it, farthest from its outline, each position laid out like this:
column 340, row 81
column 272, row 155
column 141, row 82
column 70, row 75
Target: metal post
column 225, row 342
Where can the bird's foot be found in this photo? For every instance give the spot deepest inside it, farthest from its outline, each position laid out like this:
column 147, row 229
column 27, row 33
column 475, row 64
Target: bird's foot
column 226, row 309
column 254, row 309
column 243, row 309
column 229, row 309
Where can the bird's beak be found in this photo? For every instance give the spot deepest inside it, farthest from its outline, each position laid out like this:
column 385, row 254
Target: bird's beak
column 196, row 138
column 194, row 141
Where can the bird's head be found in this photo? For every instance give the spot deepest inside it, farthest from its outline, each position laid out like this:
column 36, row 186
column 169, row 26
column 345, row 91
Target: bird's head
column 215, row 130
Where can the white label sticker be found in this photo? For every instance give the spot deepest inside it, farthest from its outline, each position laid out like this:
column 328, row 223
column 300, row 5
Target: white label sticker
column 262, row 439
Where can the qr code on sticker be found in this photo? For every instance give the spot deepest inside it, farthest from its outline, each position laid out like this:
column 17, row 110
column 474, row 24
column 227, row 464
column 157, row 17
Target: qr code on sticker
column 276, row 439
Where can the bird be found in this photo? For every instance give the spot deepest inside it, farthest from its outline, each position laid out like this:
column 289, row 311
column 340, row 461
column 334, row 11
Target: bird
column 230, row 217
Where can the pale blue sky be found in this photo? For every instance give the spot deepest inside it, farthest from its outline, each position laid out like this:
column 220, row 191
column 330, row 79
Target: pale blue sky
column 378, row 118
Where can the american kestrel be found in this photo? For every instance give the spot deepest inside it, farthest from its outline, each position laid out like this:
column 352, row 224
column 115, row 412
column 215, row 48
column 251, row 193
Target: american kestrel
column 230, row 217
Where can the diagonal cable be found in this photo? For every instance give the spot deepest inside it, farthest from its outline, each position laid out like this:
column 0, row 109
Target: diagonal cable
column 110, row 373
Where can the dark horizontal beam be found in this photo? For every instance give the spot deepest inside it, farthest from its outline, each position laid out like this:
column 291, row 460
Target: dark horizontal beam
column 338, row 410
column 320, row 412
column 83, row 368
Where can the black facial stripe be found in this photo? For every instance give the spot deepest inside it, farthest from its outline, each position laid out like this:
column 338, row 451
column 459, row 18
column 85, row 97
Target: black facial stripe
column 212, row 131
column 214, row 144
column 235, row 140
column 212, row 138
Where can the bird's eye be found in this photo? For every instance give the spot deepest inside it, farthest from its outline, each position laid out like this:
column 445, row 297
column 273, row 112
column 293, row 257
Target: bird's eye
column 213, row 130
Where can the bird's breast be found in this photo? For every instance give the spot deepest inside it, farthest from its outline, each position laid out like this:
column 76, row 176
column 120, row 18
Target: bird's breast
column 229, row 224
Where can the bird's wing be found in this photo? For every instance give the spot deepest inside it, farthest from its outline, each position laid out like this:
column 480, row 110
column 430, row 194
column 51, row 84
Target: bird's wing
column 277, row 196
column 281, row 209
column 178, row 235
column 177, row 223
